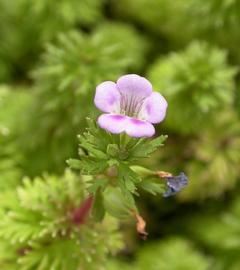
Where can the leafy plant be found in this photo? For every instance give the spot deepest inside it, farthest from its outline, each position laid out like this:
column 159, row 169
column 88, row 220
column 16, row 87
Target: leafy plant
column 197, row 82
column 49, row 225
column 38, row 22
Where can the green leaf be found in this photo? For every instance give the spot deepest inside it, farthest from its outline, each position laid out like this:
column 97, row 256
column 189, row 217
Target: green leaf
column 128, row 179
column 112, row 150
column 116, row 203
column 91, row 124
column 144, row 148
column 144, row 172
column 91, row 149
column 96, row 184
column 127, row 173
column 130, row 185
column 98, row 210
column 93, row 166
column 153, row 186
column 88, row 165
column 74, row 163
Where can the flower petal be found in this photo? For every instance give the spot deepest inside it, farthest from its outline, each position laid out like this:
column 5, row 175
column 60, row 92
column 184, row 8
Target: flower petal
column 175, row 184
column 138, row 128
column 113, row 123
column 154, row 108
column 107, row 97
column 134, row 85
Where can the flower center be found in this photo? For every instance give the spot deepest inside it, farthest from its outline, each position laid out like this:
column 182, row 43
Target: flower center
column 130, row 105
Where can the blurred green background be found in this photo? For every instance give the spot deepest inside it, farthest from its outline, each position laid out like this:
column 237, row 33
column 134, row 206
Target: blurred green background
column 52, row 56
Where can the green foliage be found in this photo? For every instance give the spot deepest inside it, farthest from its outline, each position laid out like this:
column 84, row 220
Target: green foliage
column 222, row 235
column 96, row 149
column 215, row 165
column 157, row 16
column 107, row 158
column 171, row 254
column 12, row 107
column 221, row 23
column 197, row 83
column 181, row 21
column 193, row 60
column 86, row 59
column 116, row 265
column 223, row 20
column 40, row 231
column 116, row 204
column 37, row 21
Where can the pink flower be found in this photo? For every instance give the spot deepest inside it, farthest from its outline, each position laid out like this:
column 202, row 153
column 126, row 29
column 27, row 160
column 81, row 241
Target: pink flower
column 130, row 106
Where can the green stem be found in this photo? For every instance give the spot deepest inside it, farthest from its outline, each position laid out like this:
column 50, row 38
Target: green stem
column 123, row 140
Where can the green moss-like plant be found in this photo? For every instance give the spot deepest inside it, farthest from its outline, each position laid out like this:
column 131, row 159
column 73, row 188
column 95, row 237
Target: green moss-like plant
column 160, row 17
column 221, row 238
column 197, row 83
column 178, row 21
column 214, row 167
column 171, row 254
column 49, row 226
column 12, row 109
column 37, row 22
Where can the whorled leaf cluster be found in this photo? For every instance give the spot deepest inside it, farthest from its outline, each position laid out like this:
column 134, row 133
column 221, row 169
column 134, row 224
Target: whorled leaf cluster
column 47, row 223
column 110, row 163
column 38, row 22
column 197, row 83
column 181, row 21
column 214, row 166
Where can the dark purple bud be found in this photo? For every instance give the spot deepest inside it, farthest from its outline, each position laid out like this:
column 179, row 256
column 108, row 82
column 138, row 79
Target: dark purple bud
column 175, row 184
column 80, row 214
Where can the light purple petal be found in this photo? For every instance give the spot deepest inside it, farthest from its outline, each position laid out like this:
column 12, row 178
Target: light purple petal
column 107, row 97
column 154, row 108
column 138, row 128
column 113, row 123
column 134, row 85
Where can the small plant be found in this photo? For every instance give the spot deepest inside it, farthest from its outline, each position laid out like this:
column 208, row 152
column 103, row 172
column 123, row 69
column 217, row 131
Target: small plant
column 111, row 149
